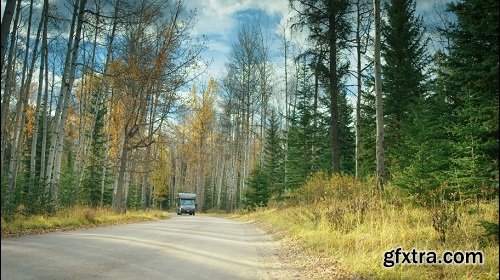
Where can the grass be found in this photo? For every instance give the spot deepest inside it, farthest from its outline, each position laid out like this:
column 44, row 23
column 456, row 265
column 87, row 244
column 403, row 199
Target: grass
column 74, row 218
column 355, row 226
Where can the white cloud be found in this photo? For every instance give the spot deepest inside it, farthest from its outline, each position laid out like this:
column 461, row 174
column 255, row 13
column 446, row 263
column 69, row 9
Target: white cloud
column 217, row 19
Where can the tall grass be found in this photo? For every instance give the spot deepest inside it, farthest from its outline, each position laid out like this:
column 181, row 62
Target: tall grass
column 354, row 224
column 72, row 218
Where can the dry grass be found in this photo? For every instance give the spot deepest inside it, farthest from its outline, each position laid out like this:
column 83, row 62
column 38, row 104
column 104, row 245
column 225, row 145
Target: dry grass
column 355, row 226
column 74, row 218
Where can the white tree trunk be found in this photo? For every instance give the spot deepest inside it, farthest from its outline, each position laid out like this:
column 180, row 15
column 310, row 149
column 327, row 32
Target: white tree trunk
column 34, row 142
column 66, row 88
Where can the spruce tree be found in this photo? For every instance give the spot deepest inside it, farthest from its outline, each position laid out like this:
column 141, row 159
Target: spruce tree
column 347, row 135
column 301, row 133
column 470, row 78
column 258, row 191
column 404, row 78
column 274, row 156
column 90, row 194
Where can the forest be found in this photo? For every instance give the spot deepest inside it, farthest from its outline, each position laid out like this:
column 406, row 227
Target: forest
column 103, row 106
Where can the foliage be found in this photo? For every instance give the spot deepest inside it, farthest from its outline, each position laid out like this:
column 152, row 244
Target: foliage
column 470, row 83
column 274, row 156
column 73, row 218
column 491, row 229
column 352, row 223
column 302, row 134
column 368, row 141
column 90, row 192
column 404, row 79
column 329, row 28
column 258, row 190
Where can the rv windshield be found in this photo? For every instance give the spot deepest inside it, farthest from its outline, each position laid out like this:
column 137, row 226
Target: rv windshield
column 187, row 202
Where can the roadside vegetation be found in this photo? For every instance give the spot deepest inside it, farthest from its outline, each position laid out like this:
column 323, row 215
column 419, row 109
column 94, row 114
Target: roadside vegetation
column 353, row 223
column 74, row 218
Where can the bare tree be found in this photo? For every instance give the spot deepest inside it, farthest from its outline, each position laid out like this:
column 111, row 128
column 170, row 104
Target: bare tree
column 57, row 133
column 152, row 66
column 8, row 13
column 34, row 142
column 8, row 84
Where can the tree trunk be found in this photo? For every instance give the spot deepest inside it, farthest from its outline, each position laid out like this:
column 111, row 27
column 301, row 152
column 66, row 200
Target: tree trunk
column 286, row 108
column 334, row 97
column 358, row 97
column 105, row 89
column 378, row 90
column 56, row 120
column 66, row 88
column 118, row 192
column 44, row 115
column 34, row 142
column 8, row 87
column 17, row 145
column 8, row 13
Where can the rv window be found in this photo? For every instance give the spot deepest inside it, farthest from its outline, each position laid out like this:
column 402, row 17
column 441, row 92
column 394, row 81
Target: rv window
column 187, row 202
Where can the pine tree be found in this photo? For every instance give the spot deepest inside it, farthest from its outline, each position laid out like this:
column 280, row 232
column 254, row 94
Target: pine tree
column 274, row 156
column 429, row 147
column 91, row 185
column 470, row 78
column 404, row 52
column 329, row 29
column 301, row 134
column 258, row 191
column 347, row 135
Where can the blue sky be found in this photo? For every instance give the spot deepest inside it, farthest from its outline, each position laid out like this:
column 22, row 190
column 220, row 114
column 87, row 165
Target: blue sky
column 219, row 21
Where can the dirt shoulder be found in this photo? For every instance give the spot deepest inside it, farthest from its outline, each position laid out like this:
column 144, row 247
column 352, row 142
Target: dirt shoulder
column 291, row 259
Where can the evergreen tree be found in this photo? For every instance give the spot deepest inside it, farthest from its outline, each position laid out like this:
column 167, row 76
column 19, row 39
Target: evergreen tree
column 274, row 156
column 68, row 193
column 301, row 133
column 404, row 78
column 368, row 130
column 454, row 139
column 470, row 78
column 347, row 135
column 91, row 185
column 258, row 191
column 329, row 28
column 430, row 150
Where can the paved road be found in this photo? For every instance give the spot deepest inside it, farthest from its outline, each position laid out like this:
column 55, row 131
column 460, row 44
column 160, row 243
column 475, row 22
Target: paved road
column 182, row 247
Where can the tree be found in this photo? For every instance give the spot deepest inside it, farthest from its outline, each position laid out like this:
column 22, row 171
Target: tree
column 274, row 156
column 200, row 125
column 328, row 26
column 404, row 79
column 470, row 87
column 302, row 134
column 8, row 13
column 363, row 27
column 367, row 156
column 378, row 101
column 247, row 86
column 152, row 65
column 258, row 192
column 91, row 185
column 59, row 123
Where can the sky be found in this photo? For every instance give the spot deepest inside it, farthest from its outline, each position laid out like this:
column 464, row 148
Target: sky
column 219, row 21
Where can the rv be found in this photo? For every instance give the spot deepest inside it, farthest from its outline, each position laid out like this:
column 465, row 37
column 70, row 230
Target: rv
column 186, row 203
